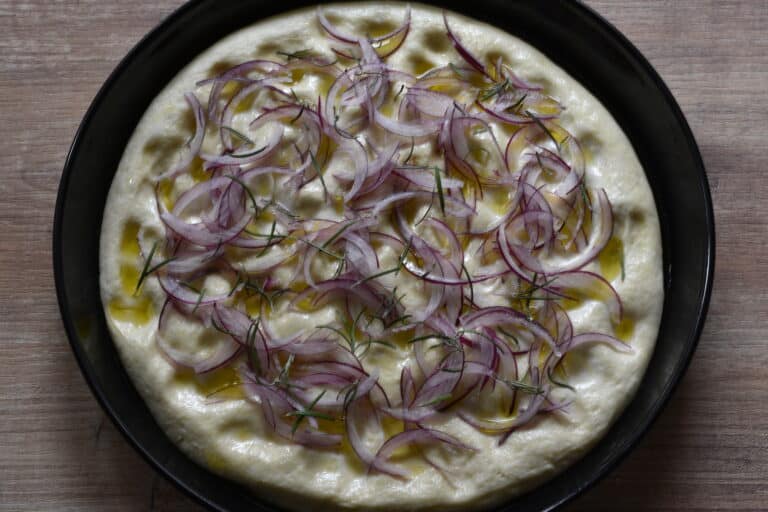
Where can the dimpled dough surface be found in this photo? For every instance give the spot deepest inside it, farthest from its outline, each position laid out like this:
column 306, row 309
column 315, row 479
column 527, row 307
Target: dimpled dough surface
column 229, row 436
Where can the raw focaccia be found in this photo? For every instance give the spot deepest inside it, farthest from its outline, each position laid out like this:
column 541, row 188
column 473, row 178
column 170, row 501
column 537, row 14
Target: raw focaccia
column 209, row 416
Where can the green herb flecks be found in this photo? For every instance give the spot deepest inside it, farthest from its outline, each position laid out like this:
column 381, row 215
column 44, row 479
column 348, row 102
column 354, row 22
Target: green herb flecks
column 438, row 399
column 338, row 233
column 316, row 166
column 541, row 125
column 350, row 337
column 469, row 282
column 247, row 190
column 515, row 106
column 394, row 270
column 250, row 343
column 494, row 90
column 522, row 386
column 270, row 237
column 199, row 300
column 298, row 54
column 309, row 413
column 248, row 155
column 240, row 135
column 439, row 186
column 558, row 383
column 147, row 270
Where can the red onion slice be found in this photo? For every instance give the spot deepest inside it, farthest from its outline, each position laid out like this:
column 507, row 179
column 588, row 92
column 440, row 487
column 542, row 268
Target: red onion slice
column 193, row 147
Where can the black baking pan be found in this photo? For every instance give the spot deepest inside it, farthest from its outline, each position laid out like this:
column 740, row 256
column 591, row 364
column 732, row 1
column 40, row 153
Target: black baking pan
column 573, row 36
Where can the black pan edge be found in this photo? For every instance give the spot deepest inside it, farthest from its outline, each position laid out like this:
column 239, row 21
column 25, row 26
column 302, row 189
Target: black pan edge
column 702, row 300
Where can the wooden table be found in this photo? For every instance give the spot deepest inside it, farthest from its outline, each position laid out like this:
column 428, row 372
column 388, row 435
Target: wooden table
column 709, row 449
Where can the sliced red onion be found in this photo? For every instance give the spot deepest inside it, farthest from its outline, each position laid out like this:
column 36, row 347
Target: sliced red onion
column 601, row 210
column 192, row 148
column 417, row 436
column 179, row 293
column 498, row 315
column 462, row 50
column 403, row 128
column 356, row 413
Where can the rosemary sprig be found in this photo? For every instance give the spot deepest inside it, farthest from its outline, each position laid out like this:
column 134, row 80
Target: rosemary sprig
column 220, row 328
column 469, row 281
column 318, row 247
column 247, row 191
column 270, row 237
column 522, row 386
column 147, row 270
column 540, row 124
column 350, row 393
column 252, row 286
column 240, row 135
column 494, row 90
column 252, row 153
column 338, row 233
column 298, row 54
column 316, row 166
column 199, row 300
column 309, row 413
column 250, row 342
column 558, row 383
column 410, row 153
column 439, row 186
column 437, row 400
column 282, row 378
column 394, row 270
column 509, row 335
column 514, row 107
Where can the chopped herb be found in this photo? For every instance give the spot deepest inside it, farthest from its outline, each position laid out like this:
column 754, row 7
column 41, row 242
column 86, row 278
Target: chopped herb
column 517, row 104
column 319, row 173
column 338, row 233
column 282, row 378
column 410, row 153
column 147, row 270
column 239, row 135
column 494, row 90
column 308, row 412
column 585, row 194
column 439, row 185
column 319, row 248
column 350, row 393
column 252, row 286
column 522, row 386
column 298, row 54
column 437, row 400
column 199, row 300
column 509, row 335
column 469, row 281
column 247, row 191
column 426, row 212
column 253, row 354
column 301, row 111
column 377, row 275
column 252, row 153
column 270, row 237
column 238, row 282
column 220, row 328
column 540, row 124
column 431, row 337
column 558, row 383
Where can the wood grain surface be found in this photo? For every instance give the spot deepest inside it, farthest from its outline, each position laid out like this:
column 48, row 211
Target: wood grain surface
column 708, row 450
